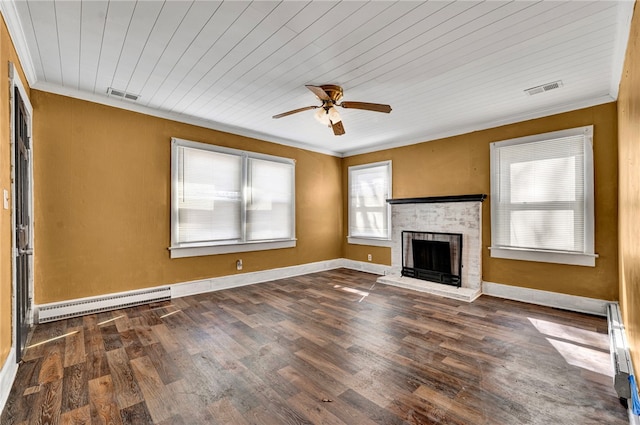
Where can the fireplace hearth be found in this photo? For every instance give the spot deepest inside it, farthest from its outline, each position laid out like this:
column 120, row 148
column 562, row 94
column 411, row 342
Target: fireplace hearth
column 432, row 256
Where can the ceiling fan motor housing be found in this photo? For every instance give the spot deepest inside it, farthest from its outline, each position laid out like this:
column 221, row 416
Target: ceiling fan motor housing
column 334, row 92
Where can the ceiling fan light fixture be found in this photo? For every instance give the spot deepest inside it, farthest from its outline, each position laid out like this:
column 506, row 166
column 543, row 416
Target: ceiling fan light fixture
column 333, row 115
column 322, row 116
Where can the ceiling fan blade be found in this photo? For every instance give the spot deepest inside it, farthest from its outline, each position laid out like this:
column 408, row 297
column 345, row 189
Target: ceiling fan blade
column 295, row 111
column 377, row 107
column 338, row 128
column 319, row 92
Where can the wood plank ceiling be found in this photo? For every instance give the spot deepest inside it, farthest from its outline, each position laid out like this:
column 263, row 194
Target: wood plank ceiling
column 446, row 67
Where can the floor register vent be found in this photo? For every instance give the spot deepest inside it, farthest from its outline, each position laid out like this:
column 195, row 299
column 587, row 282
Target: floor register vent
column 64, row 310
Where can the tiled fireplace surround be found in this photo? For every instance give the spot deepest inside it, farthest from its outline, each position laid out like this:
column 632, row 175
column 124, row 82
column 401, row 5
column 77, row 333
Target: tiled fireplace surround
column 450, row 214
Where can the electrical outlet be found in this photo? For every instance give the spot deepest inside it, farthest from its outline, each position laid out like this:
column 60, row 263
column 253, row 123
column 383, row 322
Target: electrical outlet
column 369, row 257
column 239, row 265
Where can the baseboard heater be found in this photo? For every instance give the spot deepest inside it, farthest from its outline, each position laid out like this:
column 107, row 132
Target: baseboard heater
column 80, row 307
column 619, row 350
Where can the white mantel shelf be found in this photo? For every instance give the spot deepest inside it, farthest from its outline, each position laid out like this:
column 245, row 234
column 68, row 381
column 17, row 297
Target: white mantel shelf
column 439, row 199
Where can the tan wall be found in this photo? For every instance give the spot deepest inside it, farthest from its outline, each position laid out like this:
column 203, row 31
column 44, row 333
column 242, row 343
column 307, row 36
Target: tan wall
column 460, row 165
column 629, row 154
column 102, row 202
column 7, row 54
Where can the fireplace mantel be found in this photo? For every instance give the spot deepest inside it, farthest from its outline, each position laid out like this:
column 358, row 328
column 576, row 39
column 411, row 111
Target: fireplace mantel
column 439, row 199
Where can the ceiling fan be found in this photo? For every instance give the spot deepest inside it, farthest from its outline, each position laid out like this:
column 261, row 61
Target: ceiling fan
column 327, row 114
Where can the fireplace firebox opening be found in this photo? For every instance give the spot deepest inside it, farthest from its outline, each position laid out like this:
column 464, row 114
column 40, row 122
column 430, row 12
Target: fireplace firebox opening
column 432, row 256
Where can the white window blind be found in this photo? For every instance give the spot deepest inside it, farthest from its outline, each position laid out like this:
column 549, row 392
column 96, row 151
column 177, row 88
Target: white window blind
column 542, row 197
column 209, row 196
column 228, row 199
column 369, row 189
column 270, row 200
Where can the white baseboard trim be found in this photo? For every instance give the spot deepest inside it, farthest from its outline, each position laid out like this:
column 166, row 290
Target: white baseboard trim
column 7, row 376
column 363, row 266
column 546, row 298
column 243, row 279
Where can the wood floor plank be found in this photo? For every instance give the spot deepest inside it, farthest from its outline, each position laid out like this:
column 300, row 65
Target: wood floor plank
column 331, row 347
column 47, row 408
column 79, row 416
column 97, row 364
column 75, row 391
column 51, row 369
column 110, row 335
column 159, row 401
column 166, row 338
column 74, row 347
column 226, row 413
column 135, row 414
column 93, row 342
column 163, row 364
column 124, row 383
column 104, row 409
column 144, row 331
column 198, row 412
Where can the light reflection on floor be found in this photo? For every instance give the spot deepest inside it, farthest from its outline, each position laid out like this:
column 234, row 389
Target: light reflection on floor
column 52, row 339
column 363, row 294
column 110, row 320
column 579, row 347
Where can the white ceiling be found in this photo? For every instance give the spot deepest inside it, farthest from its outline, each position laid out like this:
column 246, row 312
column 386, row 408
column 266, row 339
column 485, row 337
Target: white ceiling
column 445, row 67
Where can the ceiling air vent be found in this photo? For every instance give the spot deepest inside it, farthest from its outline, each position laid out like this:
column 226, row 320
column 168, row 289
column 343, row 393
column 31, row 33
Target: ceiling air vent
column 122, row 94
column 544, row 87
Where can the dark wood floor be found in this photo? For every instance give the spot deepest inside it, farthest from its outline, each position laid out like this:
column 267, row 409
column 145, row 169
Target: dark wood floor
column 326, row 348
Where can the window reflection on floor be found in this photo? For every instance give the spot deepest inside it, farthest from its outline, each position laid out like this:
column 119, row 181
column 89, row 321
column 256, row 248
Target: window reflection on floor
column 579, row 347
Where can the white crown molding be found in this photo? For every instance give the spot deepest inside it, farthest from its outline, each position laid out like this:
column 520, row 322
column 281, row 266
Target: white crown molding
column 545, row 112
column 130, row 106
column 10, row 14
column 185, row 119
column 546, row 298
column 127, row 105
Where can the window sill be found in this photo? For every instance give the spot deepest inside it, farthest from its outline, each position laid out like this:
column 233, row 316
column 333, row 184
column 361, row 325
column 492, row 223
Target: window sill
column 574, row 259
column 199, row 250
column 371, row 242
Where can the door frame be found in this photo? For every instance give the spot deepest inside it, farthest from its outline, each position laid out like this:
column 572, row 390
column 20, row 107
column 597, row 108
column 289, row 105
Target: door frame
column 16, row 82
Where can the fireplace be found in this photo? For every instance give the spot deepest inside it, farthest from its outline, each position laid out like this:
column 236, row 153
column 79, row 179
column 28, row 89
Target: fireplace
column 432, row 256
column 458, row 275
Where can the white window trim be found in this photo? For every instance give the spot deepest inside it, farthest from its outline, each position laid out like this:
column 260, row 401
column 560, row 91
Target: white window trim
column 586, row 258
column 185, row 250
column 369, row 241
column 193, row 249
column 360, row 240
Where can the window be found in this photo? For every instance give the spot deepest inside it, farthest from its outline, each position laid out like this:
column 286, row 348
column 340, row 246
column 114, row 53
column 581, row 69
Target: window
column 225, row 200
column 542, row 198
column 369, row 217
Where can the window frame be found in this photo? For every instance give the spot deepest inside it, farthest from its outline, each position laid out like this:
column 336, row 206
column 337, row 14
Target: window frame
column 192, row 249
column 587, row 256
column 363, row 240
